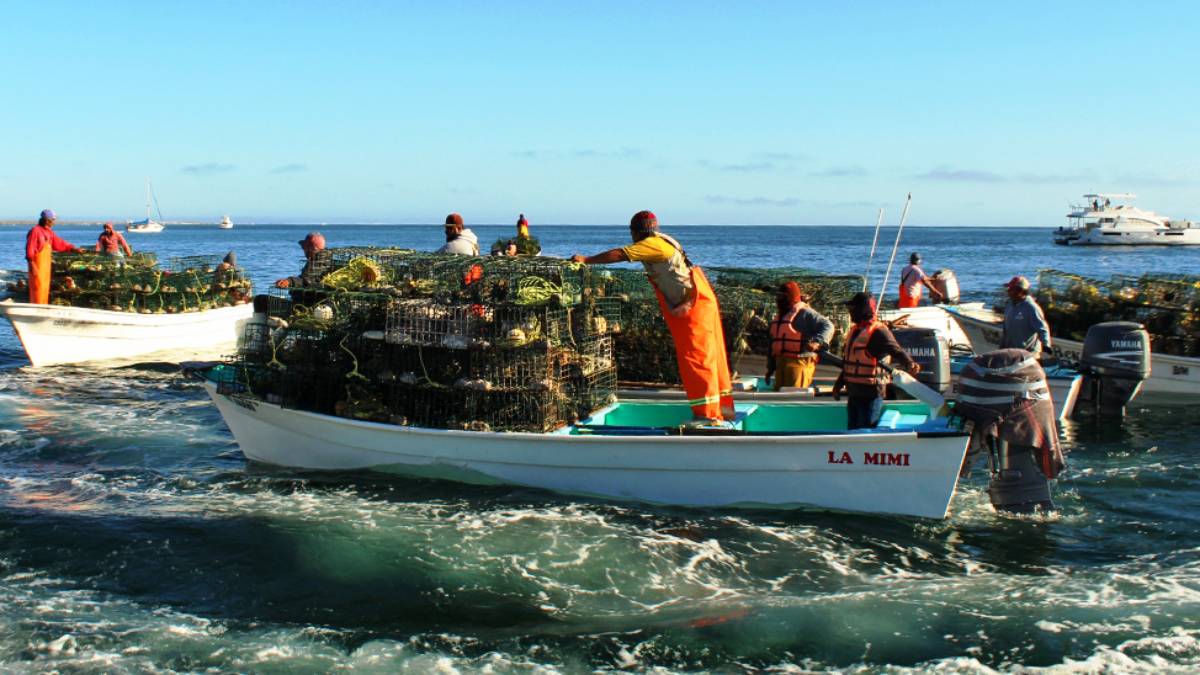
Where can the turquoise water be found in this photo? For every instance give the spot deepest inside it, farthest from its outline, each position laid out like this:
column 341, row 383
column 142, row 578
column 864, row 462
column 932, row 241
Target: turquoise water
column 135, row 538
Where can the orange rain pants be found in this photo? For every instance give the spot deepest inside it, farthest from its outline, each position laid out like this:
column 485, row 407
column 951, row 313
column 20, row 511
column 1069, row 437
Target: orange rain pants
column 700, row 350
column 906, row 301
column 39, row 277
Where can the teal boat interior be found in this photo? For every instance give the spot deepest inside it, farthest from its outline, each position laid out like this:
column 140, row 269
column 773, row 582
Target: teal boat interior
column 763, row 419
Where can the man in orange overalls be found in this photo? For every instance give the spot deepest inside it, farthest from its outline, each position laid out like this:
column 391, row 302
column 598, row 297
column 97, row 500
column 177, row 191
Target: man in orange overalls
column 690, row 309
column 39, row 243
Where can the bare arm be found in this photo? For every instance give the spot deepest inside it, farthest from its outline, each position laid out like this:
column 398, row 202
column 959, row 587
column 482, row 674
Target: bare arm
column 610, row 256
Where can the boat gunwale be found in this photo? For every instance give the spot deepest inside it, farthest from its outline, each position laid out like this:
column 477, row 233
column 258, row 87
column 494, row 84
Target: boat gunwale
column 873, row 435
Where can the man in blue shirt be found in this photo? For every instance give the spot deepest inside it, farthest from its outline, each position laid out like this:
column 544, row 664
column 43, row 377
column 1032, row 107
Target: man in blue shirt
column 1025, row 326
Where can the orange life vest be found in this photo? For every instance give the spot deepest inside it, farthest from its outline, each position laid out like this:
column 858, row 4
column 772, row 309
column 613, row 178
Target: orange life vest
column 860, row 367
column 785, row 339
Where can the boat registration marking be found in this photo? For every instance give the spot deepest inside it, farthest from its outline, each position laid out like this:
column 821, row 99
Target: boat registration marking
column 871, row 458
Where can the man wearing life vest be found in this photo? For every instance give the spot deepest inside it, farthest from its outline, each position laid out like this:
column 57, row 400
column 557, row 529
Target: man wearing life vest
column 40, row 242
column 912, row 280
column 869, row 345
column 690, row 309
column 798, row 333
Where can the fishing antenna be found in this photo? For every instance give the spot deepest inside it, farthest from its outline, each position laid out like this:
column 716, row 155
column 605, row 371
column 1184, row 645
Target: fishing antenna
column 896, row 245
column 871, row 258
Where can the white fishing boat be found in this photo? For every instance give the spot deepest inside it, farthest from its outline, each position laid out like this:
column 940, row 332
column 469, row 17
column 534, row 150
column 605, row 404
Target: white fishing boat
column 934, row 317
column 226, row 223
column 778, row 456
column 1169, row 375
column 56, row 335
column 148, row 225
column 1100, row 222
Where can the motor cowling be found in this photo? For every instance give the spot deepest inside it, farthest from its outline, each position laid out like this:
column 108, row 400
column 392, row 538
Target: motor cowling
column 1115, row 362
column 947, row 284
column 931, row 350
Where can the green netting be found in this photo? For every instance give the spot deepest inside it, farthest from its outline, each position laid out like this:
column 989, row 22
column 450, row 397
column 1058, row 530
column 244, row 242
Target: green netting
column 1167, row 305
column 137, row 284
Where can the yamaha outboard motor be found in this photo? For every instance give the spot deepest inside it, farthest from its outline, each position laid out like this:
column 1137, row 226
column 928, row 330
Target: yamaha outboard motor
column 931, row 350
column 1115, row 362
column 1005, row 396
column 946, row 284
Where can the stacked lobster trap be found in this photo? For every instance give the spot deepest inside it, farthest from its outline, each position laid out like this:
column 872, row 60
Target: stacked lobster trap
column 435, row 341
column 137, row 283
column 1168, row 305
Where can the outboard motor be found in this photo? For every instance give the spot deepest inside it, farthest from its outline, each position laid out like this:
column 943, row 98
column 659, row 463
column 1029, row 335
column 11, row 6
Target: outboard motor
column 1017, row 485
column 931, row 350
column 1005, row 396
column 946, row 284
column 1115, row 362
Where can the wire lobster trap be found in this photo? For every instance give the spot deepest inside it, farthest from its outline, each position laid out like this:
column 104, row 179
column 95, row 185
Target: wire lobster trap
column 475, row 325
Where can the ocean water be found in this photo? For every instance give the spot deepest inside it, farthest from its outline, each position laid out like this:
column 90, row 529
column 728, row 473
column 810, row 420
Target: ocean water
column 135, row 538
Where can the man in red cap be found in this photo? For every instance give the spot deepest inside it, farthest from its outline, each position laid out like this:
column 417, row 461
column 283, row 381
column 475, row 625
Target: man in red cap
column 40, row 243
column 1025, row 325
column 690, row 309
column 459, row 240
column 313, row 245
column 797, row 334
column 869, row 344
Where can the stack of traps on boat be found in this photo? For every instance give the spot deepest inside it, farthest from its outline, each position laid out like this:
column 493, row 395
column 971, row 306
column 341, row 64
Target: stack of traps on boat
column 1167, row 305
column 500, row 344
column 138, row 284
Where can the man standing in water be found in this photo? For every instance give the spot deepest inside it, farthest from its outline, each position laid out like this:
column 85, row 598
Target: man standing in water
column 40, row 242
column 1025, row 325
column 690, row 309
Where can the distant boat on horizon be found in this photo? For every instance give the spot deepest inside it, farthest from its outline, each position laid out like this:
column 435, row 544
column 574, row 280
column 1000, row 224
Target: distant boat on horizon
column 147, row 226
column 226, row 223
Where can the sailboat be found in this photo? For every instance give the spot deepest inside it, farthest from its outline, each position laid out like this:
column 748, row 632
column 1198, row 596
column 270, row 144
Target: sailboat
column 226, row 223
column 147, row 226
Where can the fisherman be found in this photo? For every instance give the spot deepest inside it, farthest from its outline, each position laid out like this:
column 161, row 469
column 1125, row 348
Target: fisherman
column 459, row 240
column 313, row 245
column 798, row 333
column 522, row 227
column 1025, row 325
column 869, row 344
column 690, row 309
column 39, row 243
column 112, row 243
column 912, row 279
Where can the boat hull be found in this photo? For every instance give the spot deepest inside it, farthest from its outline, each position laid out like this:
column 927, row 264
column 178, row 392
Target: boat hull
column 1169, row 375
column 831, row 471
column 55, row 335
column 1139, row 237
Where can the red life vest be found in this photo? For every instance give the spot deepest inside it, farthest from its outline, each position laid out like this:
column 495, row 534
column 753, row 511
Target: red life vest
column 860, row 367
column 785, row 339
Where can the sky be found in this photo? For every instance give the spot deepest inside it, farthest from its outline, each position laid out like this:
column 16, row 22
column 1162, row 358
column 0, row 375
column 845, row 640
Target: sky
column 809, row 113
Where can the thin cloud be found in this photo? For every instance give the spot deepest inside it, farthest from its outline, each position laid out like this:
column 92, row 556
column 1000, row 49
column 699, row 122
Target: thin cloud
column 290, row 168
column 840, row 172
column 753, row 201
column 1050, row 178
column 947, row 174
column 526, row 154
column 208, row 168
column 620, row 153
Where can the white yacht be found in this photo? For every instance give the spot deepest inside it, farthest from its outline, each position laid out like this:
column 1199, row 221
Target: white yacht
column 1101, row 222
column 147, row 226
column 226, row 223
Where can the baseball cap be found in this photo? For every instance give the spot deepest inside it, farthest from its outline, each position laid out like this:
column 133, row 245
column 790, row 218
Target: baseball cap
column 454, row 219
column 1018, row 282
column 47, row 214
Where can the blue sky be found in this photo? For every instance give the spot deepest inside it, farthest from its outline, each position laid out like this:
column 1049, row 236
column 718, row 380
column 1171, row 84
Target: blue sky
column 705, row 112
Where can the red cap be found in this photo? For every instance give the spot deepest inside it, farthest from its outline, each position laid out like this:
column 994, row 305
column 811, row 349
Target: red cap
column 643, row 221
column 792, row 291
column 454, row 219
column 1018, row 282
